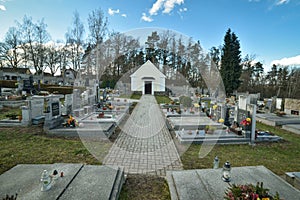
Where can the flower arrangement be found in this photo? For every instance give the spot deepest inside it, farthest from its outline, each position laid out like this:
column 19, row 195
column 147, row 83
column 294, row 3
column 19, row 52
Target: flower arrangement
column 249, row 192
column 246, row 122
column 215, row 107
column 210, row 129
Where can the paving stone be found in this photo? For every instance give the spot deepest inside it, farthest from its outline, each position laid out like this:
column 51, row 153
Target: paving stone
column 144, row 141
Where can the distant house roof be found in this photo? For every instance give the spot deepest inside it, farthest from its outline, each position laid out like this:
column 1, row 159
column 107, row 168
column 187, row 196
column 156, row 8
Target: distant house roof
column 71, row 70
column 15, row 70
column 151, row 66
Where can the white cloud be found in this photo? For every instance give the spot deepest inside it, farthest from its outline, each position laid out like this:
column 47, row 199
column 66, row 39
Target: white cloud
column 166, row 5
column 183, row 9
column 2, row 7
column 156, row 6
column 169, row 5
column 287, row 61
column 281, row 2
column 146, row 18
column 112, row 12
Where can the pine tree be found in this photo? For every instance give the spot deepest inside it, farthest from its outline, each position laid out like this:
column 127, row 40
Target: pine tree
column 231, row 67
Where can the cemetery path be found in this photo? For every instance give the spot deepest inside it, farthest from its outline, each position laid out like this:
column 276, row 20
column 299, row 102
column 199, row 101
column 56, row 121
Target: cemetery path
column 145, row 145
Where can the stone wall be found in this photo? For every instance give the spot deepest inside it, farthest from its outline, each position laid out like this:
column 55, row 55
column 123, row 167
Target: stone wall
column 291, row 105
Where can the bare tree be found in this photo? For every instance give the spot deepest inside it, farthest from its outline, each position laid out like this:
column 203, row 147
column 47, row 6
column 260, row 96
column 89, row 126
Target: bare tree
column 42, row 36
column 34, row 36
column 10, row 51
column 97, row 32
column 53, row 56
column 97, row 26
column 74, row 38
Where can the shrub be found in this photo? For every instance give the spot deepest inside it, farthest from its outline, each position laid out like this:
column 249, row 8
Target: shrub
column 185, row 101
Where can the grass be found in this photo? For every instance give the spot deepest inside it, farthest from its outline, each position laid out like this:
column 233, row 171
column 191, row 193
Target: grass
column 279, row 157
column 159, row 98
column 162, row 99
column 131, row 96
column 9, row 111
column 31, row 146
column 139, row 187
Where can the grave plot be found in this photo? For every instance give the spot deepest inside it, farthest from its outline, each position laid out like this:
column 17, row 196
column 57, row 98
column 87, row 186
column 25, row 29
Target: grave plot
column 208, row 184
column 295, row 128
column 201, row 129
column 192, row 123
column 99, row 124
column 221, row 123
column 74, row 181
column 218, row 136
column 265, row 136
column 275, row 120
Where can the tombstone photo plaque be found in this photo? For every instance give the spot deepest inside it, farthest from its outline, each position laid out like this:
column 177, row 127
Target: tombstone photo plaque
column 55, row 109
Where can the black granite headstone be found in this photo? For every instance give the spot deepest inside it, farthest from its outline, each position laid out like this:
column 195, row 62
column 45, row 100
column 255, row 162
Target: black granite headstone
column 55, row 109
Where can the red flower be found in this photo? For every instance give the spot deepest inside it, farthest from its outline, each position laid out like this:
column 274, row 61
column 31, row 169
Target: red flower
column 245, row 122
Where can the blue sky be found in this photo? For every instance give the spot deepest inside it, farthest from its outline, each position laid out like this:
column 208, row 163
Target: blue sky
column 270, row 29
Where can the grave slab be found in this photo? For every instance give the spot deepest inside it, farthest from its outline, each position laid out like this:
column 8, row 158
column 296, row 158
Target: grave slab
column 24, row 180
column 86, row 130
column 95, row 182
column 192, row 123
column 295, row 128
column 208, row 184
column 274, row 120
column 79, row 182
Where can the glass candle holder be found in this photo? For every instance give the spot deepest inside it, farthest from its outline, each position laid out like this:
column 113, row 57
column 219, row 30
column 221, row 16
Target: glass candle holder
column 226, row 172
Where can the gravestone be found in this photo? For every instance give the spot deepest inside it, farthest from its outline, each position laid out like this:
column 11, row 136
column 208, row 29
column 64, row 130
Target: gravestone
column 20, row 85
column 76, row 99
column 243, row 101
column 53, row 117
column 273, row 105
column 218, row 113
column 37, row 111
column 26, row 114
column 69, row 103
column 28, row 85
column 33, row 108
column 279, row 104
column 252, row 114
column 85, row 97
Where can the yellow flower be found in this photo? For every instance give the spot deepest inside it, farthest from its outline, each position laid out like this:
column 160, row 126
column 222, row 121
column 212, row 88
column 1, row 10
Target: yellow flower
column 248, row 119
column 221, row 120
column 215, row 107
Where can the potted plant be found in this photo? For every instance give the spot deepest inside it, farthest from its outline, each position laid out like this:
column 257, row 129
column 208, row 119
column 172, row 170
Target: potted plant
column 210, row 129
column 101, row 115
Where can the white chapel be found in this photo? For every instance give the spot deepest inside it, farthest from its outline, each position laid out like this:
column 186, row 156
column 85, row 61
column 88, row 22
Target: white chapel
column 148, row 79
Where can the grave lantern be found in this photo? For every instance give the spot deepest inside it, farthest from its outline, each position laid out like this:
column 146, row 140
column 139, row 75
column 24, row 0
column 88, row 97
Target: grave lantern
column 216, row 162
column 46, row 181
column 226, row 172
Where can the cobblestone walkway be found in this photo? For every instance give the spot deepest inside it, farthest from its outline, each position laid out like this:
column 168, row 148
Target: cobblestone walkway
column 144, row 145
